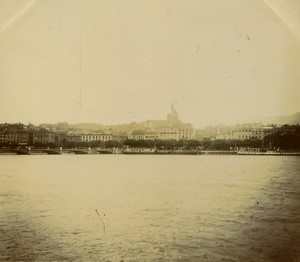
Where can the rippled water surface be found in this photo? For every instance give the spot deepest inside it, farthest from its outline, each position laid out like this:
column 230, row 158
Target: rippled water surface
column 149, row 208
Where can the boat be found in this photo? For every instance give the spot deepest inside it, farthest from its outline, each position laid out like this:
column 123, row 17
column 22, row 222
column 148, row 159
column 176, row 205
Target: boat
column 164, row 152
column 80, row 152
column 23, row 152
column 139, row 151
column 54, row 152
column 177, row 152
column 266, row 152
column 251, row 151
column 184, row 152
column 282, row 153
column 105, row 151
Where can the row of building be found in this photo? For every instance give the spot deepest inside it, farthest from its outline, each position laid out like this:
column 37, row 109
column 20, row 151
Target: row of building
column 25, row 137
column 250, row 131
column 163, row 134
column 47, row 137
column 170, row 129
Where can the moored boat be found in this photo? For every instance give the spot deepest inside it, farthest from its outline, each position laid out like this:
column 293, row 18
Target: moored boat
column 266, row 152
column 80, row 152
column 105, row 151
column 139, row 151
column 177, row 152
column 23, row 152
column 54, row 152
column 184, row 152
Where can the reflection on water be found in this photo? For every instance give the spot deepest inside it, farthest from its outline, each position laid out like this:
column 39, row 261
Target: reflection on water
column 149, row 208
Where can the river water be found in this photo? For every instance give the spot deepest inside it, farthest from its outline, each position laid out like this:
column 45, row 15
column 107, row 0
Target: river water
column 149, row 208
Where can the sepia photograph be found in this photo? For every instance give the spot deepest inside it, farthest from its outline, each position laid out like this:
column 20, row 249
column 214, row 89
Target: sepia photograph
column 150, row 130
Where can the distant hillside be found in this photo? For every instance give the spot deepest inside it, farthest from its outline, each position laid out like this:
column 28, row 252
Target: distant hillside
column 281, row 120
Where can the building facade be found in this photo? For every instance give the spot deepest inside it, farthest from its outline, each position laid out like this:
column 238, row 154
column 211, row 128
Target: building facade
column 17, row 137
column 42, row 137
column 243, row 132
column 169, row 129
column 2, row 138
column 96, row 137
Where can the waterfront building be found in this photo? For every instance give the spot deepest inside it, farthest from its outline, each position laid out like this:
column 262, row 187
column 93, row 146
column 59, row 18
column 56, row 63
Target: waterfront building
column 176, row 133
column 42, row 136
column 137, row 135
column 119, row 135
column 151, row 135
column 248, row 133
column 2, row 138
column 209, row 132
column 245, row 131
column 73, row 137
column 13, row 133
column 17, row 137
column 167, row 134
column 171, row 128
column 96, row 137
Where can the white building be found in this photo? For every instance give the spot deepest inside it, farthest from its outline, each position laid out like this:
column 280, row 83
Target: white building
column 171, row 128
column 245, row 132
column 96, row 137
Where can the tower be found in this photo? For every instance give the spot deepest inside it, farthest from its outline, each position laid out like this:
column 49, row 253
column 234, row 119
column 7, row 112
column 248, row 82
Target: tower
column 173, row 116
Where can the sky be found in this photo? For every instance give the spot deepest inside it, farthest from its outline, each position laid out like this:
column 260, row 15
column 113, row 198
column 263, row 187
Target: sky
column 115, row 61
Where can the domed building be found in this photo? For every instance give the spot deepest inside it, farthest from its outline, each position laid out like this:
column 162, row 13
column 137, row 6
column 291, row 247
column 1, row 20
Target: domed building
column 171, row 128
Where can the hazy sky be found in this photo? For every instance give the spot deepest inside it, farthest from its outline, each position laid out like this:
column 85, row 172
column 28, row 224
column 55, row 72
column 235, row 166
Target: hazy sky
column 221, row 61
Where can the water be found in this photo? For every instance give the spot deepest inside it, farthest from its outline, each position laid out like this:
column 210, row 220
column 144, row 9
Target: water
column 149, row 208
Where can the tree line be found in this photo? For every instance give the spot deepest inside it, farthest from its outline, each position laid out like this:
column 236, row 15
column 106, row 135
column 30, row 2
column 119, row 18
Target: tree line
column 170, row 144
column 288, row 138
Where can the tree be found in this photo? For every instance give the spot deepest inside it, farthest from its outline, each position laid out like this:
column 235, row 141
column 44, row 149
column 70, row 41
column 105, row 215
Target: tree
column 112, row 144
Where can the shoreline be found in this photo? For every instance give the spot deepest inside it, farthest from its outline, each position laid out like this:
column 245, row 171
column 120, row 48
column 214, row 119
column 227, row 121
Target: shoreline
column 157, row 152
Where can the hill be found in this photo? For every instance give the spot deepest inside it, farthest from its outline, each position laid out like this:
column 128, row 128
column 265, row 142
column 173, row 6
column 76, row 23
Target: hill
column 281, row 120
